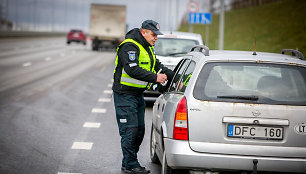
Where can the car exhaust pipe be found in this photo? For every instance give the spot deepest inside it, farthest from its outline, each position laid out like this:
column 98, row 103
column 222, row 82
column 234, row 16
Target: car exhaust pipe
column 255, row 162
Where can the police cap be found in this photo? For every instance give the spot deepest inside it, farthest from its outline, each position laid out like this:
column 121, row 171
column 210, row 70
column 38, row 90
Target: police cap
column 151, row 25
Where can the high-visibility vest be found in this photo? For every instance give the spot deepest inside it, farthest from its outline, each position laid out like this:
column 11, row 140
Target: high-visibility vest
column 144, row 62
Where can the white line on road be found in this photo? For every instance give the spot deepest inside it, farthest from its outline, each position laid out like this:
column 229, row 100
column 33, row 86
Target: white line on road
column 27, row 64
column 98, row 110
column 108, row 91
column 109, row 85
column 104, row 100
column 67, row 173
column 48, row 58
column 92, row 124
column 82, row 145
column 63, row 54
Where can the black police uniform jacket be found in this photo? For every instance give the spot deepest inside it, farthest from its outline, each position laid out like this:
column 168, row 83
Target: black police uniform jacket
column 132, row 68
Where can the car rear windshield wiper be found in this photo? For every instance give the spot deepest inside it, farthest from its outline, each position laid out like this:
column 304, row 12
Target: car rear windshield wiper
column 242, row 97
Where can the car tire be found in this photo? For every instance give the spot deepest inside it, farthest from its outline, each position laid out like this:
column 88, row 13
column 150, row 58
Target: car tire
column 153, row 154
column 68, row 42
column 165, row 169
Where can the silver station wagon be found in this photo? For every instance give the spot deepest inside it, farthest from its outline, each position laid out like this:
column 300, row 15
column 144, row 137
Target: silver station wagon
column 232, row 111
column 172, row 46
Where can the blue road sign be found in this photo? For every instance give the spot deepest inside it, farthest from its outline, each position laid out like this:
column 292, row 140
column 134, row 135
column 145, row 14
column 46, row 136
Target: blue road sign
column 200, row 18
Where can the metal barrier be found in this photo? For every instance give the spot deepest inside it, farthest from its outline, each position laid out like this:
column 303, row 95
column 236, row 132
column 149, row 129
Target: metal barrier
column 14, row 34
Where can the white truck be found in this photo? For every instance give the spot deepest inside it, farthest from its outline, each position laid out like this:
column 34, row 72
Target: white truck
column 107, row 25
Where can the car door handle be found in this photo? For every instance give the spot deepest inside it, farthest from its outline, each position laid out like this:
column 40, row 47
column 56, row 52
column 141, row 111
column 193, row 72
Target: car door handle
column 163, row 107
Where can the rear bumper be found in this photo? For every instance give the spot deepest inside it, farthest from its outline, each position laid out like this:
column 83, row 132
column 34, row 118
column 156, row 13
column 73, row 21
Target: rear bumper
column 76, row 40
column 179, row 155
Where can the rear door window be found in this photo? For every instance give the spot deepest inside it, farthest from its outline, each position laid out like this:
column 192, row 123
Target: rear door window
column 178, row 75
column 252, row 83
column 186, row 77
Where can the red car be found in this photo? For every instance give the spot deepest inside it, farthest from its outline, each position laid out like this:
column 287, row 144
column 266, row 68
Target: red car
column 76, row 36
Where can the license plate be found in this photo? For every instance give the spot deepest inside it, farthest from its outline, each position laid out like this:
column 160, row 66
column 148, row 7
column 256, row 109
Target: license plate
column 255, row 132
column 76, row 35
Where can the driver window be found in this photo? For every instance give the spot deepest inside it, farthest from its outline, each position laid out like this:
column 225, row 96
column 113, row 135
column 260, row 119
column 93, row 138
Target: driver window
column 178, row 75
column 186, row 77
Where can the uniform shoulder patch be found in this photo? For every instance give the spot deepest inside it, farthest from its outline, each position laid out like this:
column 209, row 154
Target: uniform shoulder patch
column 131, row 52
column 132, row 55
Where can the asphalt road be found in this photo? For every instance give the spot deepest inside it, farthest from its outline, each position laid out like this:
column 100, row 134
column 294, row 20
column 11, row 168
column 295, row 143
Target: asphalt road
column 56, row 110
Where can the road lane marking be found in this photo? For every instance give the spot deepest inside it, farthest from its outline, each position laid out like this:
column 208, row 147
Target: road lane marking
column 67, row 173
column 82, row 145
column 92, row 124
column 104, row 100
column 27, row 64
column 108, row 91
column 48, row 58
column 98, row 110
column 63, row 54
column 109, row 85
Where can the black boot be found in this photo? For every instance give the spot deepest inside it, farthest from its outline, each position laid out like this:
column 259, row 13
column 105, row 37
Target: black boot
column 137, row 170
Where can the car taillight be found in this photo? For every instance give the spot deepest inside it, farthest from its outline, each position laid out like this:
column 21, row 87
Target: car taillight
column 180, row 130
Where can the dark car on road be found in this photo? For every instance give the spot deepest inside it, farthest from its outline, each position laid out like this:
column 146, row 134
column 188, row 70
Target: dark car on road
column 76, row 36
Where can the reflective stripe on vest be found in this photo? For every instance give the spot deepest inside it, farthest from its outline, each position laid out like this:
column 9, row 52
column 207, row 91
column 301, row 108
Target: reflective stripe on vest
column 144, row 62
column 127, row 80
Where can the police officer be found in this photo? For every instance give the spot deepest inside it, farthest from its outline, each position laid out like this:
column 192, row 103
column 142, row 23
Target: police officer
column 136, row 68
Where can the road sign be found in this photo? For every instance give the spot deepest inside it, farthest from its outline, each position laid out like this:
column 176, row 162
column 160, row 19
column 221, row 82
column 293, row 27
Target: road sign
column 192, row 6
column 200, row 18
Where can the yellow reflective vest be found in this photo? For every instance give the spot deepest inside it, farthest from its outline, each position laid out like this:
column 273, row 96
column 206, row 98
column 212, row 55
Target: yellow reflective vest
column 144, row 62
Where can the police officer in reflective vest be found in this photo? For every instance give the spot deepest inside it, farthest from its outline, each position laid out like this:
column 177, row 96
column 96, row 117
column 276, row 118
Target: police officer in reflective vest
column 136, row 68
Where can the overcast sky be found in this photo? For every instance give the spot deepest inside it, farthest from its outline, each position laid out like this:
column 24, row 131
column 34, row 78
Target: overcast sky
column 62, row 15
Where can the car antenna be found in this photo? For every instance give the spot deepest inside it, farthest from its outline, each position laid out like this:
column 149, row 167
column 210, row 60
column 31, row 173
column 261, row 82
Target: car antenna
column 254, row 53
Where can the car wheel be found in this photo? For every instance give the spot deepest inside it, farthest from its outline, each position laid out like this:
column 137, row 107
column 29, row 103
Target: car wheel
column 153, row 154
column 165, row 168
column 68, row 42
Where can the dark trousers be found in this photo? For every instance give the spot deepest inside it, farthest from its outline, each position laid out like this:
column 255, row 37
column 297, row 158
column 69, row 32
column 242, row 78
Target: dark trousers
column 130, row 111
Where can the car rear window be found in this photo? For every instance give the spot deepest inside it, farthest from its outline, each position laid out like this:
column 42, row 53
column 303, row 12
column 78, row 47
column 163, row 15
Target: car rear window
column 76, row 31
column 252, row 83
column 173, row 46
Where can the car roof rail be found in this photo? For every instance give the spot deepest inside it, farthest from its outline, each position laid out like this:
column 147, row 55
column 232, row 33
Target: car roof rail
column 294, row 53
column 201, row 48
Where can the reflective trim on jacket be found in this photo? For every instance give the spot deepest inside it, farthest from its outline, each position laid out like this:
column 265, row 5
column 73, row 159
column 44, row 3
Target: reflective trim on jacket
column 144, row 62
